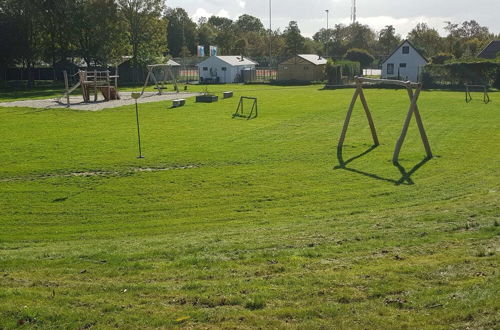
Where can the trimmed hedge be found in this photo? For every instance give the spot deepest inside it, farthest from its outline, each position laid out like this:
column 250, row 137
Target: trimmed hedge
column 460, row 73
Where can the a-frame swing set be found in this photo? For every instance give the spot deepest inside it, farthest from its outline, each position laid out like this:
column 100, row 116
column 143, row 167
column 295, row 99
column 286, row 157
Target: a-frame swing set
column 413, row 90
column 160, row 84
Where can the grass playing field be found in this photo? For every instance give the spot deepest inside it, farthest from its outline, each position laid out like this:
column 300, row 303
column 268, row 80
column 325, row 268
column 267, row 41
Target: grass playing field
column 237, row 224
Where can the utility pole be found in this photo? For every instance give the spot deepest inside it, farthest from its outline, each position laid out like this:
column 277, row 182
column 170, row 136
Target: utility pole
column 270, row 36
column 353, row 11
column 327, row 28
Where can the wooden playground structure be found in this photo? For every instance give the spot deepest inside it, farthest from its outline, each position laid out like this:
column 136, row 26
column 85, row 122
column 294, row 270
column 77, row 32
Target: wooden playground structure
column 93, row 82
column 413, row 90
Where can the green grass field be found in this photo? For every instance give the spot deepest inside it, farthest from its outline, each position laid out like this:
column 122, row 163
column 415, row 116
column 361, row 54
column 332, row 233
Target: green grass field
column 229, row 223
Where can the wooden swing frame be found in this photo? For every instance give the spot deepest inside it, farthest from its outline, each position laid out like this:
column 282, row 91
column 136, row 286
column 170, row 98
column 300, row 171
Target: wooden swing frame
column 151, row 75
column 468, row 96
column 240, row 110
column 413, row 90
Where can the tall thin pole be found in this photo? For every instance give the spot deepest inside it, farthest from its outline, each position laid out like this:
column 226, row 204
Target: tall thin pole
column 327, row 27
column 138, row 129
column 270, row 36
column 327, row 11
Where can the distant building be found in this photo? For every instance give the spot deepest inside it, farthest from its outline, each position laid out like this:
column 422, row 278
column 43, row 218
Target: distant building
column 224, row 69
column 491, row 51
column 302, row 67
column 404, row 63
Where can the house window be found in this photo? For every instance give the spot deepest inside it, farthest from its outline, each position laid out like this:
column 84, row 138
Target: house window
column 406, row 49
column 390, row 68
column 224, row 68
column 402, row 65
column 306, row 68
column 205, row 68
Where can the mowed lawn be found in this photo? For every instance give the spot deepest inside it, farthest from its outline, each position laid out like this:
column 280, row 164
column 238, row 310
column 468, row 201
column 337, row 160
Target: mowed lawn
column 229, row 223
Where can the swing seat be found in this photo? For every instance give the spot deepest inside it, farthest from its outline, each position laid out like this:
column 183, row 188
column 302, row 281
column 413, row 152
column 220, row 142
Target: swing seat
column 160, row 87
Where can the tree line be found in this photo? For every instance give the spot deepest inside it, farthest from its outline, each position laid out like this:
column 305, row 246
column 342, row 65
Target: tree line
column 100, row 32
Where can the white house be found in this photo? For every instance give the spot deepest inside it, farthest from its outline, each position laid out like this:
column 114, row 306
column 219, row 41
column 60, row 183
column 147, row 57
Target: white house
column 224, row 69
column 405, row 63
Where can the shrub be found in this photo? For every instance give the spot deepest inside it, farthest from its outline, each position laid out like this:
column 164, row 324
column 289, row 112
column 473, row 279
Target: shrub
column 459, row 73
column 335, row 71
column 359, row 55
column 441, row 58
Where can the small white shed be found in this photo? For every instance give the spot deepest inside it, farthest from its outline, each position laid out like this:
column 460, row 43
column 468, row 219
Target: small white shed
column 224, row 69
column 405, row 63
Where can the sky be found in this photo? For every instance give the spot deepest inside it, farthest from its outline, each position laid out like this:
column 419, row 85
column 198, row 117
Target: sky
column 311, row 15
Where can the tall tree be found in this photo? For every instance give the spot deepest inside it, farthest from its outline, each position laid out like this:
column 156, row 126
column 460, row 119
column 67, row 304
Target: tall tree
column 181, row 31
column 248, row 23
column 294, row 40
column 26, row 43
column 426, row 39
column 388, row 40
column 101, row 38
column 146, row 28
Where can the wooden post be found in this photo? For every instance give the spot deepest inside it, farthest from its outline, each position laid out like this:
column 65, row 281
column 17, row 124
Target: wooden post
column 66, row 85
column 348, row 118
column 420, row 124
column 95, row 85
column 369, row 116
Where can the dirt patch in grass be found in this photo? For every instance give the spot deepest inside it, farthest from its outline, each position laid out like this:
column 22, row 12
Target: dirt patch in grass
column 101, row 173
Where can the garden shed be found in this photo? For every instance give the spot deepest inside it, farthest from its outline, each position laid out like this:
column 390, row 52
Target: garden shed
column 224, row 69
column 404, row 63
column 302, row 67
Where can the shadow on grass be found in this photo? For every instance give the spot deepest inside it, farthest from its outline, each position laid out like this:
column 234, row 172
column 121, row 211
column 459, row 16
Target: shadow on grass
column 405, row 175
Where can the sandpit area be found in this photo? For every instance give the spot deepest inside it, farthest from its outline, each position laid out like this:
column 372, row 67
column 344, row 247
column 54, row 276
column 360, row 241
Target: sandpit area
column 78, row 104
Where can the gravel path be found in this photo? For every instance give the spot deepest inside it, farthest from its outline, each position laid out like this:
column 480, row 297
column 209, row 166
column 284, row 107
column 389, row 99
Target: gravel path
column 78, row 104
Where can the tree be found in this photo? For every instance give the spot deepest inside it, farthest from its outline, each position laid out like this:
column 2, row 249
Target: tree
column 359, row 55
column 426, row 39
column 181, row 31
column 27, row 28
column 224, row 33
column 206, row 34
column 248, row 23
column 101, row 39
column 388, row 40
column 294, row 40
column 146, row 28
column 359, row 36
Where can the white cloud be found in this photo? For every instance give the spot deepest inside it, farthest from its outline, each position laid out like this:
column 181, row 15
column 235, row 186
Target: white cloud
column 242, row 3
column 223, row 13
column 200, row 12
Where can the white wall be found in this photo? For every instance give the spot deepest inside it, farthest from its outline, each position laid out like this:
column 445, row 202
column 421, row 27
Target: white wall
column 216, row 65
column 414, row 64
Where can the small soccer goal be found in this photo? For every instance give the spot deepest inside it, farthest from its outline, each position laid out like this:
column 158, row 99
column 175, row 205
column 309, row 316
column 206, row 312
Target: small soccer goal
column 413, row 90
column 475, row 88
column 240, row 111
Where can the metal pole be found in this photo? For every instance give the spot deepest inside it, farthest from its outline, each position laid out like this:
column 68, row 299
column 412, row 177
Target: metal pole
column 327, row 26
column 327, row 11
column 138, row 129
column 270, row 36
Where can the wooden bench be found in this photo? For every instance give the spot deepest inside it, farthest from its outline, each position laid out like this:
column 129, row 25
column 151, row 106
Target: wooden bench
column 178, row 103
column 227, row 95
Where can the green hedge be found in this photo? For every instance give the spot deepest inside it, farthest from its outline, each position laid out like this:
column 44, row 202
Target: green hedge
column 340, row 71
column 460, row 73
